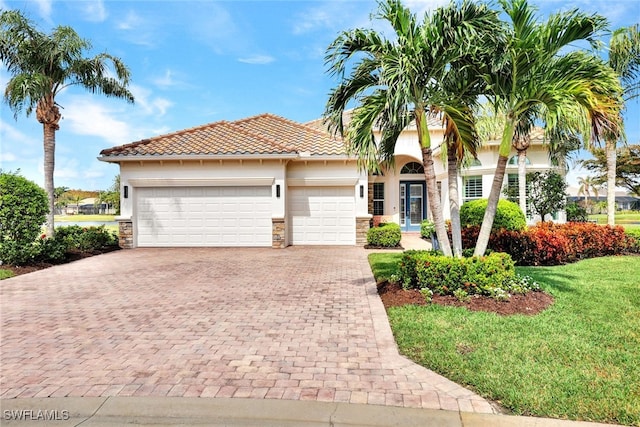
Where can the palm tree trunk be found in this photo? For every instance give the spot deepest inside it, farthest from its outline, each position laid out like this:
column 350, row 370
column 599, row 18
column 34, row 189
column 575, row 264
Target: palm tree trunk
column 424, row 139
column 49, row 165
column 610, row 148
column 454, row 203
column 522, row 180
column 492, row 206
column 496, row 187
column 434, row 201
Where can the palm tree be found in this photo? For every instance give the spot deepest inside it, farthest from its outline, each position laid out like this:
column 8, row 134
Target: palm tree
column 532, row 70
column 394, row 82
column 41, row 67
column 587, row 186
column 624, row 58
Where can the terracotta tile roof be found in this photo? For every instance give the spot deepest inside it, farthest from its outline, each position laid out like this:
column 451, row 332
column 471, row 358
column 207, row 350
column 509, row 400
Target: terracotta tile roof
column 263, row 134
column 304, row 138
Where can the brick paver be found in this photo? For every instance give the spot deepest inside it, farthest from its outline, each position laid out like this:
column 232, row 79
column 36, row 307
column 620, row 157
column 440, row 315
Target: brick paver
column 301, row 323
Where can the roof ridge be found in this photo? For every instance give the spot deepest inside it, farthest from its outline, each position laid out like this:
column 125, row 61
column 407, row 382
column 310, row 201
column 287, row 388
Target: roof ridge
column 292, row 122
column 271, row 141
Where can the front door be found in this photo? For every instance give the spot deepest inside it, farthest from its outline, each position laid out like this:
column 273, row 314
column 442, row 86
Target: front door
column 413, row 198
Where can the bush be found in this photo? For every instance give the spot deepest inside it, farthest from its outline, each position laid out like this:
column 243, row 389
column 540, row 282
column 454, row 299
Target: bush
column 555, row 244
column 634, row 242
column 23, row 210
column 407, row 266
column 427, row 228
column 385, row 235
column 508, row 215
column 85, row 239
column 576, row 213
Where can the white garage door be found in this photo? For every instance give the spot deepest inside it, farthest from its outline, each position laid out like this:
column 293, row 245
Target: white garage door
column 322, row 216
column 203, row 216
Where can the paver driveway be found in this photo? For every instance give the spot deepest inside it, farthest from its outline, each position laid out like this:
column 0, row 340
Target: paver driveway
column 300, row 323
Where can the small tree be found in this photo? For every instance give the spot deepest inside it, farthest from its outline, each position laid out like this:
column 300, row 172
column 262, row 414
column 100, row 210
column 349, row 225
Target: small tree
column 23, row 211
column 547, row 193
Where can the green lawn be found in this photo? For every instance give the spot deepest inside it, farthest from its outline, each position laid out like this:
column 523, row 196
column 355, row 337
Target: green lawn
column 83, row 218
column 5, row 274
column 629, row 220
column 579, row 359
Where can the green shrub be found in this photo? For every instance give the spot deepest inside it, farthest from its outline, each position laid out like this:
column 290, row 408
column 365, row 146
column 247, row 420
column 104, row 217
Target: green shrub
column 493, row 275
column 23, row 210
column 385, row 235
column 427, row 228
column 407, row 267
column 52, row 249
column 634, row 240
column 576, row 213
column 508, row 215
column 85, row 239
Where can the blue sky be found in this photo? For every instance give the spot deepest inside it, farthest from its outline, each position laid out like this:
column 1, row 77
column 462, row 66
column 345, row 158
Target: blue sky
column 196, row 62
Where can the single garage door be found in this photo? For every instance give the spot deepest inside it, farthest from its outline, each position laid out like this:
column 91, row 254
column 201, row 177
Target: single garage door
column 203, row 216
column 322, row 216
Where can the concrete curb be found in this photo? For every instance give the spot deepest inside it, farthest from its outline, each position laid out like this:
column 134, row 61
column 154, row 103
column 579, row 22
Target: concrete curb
column 176, row 411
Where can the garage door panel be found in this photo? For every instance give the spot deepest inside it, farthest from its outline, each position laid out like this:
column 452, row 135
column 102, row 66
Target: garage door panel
column 204, row 216
column 322, row 215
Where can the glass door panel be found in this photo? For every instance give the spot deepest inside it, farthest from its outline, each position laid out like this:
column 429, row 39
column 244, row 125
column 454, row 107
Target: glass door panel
column 403, row 203
column 416, row 204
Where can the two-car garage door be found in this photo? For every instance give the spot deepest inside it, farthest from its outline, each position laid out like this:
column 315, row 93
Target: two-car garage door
column 203, row 216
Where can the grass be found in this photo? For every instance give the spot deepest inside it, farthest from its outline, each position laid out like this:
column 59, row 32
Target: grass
column 629, row 220
column 5, row 274
column 83, row 218
column 579, row 359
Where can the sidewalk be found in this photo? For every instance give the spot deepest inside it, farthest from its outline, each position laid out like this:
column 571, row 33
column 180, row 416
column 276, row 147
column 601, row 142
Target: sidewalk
column 174, row 411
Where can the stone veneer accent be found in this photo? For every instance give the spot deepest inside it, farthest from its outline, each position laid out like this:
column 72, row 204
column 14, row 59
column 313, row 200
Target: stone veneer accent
column 125, row 234
column 278, row 236
column 362, row 226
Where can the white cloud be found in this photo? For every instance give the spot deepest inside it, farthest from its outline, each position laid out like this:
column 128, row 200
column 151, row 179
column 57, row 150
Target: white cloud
column 84, row 116
column 170, row 79
column 150, row 106
column 314, row 19
column 45, row 9
column 257, row 59
column 131, row 21
column 94, row 11
column 137, row 30
column 7, row 157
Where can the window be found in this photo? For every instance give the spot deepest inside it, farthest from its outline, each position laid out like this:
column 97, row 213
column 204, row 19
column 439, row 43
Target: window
column 512, row 185
column 476, row 162
column 472, row 188
column 412, row 168
column 514, row 161
column 378, row 198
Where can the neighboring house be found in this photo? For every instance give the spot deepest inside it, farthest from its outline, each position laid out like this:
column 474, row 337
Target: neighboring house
column 88, row 206
column 269, row 181
column 624, row 202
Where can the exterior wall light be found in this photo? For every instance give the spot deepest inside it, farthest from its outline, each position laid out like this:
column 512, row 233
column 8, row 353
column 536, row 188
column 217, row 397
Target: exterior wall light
column 126, row 191
column 362, row 191
column 278, row 191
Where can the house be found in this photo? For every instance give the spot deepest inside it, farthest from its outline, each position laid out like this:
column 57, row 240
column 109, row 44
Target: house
column 269, row 181
column 260, row 181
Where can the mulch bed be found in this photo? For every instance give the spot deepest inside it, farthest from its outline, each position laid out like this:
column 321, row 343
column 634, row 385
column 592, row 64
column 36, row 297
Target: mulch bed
column 393, row 295
column 70, row 257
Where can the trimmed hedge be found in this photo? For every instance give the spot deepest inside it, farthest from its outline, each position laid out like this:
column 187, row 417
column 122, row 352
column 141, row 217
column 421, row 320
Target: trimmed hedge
column 509, row 216
column 493, row 275
column 385, row 235
column 554, row 244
